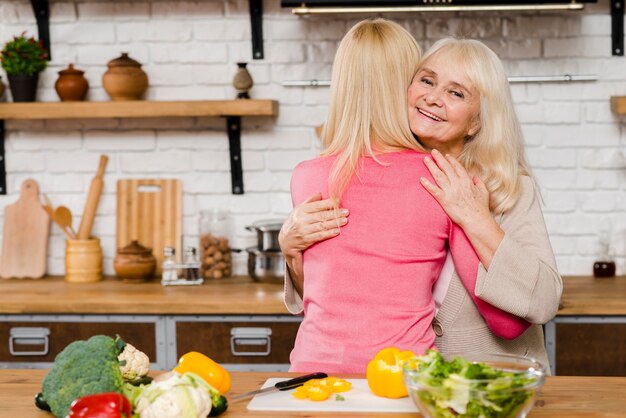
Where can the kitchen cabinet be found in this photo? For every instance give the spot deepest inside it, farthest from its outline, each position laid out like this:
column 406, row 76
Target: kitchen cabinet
column 232, row 110
column 588, row 335
column 238, row 322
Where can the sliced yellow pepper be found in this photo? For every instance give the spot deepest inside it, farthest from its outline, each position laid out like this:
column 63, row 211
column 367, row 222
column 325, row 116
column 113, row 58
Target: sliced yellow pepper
column 215, row 375
column 321, row 389
column 384, row 373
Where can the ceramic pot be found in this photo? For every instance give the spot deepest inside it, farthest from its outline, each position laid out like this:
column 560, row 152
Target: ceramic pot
column 2, row 88
column 71, row 86
column 242, row 81
column 125, row 80
column 23, row 87
column 134, row 263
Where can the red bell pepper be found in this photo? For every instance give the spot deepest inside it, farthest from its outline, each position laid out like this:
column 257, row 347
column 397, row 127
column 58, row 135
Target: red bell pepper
column 101, row 405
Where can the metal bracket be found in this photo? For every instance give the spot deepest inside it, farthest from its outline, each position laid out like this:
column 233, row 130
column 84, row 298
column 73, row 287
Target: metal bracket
column 233, row 126
column 3, row 171
column 617, row 27
column 256, row 22
column 41, row 9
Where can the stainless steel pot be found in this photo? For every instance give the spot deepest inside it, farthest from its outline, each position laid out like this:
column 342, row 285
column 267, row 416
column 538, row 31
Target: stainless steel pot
column 266, row 266
column 267, row 234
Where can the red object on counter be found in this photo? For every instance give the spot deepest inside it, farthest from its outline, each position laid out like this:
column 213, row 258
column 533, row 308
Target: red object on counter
column 101, row 405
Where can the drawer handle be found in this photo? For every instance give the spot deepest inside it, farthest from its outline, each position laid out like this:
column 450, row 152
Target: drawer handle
column 28, row 336
column 251, row 336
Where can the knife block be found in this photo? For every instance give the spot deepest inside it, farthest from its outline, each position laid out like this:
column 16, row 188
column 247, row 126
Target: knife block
column 83, row 260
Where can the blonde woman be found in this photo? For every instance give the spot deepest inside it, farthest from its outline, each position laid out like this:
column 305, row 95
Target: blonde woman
column 460, row 104
column 371, row 287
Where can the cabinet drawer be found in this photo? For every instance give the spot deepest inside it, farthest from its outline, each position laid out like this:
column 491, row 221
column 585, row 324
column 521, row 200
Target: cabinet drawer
column 26, row 341
column 590, row 349
column 238, row 342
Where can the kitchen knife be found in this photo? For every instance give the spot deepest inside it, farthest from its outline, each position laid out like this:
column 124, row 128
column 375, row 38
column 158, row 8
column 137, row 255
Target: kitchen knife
column 285, row 385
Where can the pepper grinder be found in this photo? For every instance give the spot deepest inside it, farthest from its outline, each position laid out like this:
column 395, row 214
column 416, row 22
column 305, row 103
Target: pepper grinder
column 242, row 81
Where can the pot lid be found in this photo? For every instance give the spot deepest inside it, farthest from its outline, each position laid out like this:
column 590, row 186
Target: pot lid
column 70, row 70
column 135, row 248
column 268, row 225
column 123, row 61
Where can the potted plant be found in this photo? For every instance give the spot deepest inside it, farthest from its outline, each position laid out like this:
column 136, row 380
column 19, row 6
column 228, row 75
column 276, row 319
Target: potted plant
column 23, row 59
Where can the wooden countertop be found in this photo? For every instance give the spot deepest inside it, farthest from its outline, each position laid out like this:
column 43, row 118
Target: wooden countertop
column 561, row 396
column 237, row 295
column 53, row 295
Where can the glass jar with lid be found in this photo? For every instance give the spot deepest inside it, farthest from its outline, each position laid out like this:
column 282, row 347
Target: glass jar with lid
column 215, row 251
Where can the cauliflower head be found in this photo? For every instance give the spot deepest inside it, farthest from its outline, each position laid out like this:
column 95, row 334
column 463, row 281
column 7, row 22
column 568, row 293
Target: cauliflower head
column 133, row 363
column 174, row 395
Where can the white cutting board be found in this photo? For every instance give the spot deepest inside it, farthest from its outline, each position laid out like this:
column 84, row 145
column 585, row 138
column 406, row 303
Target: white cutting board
column 358, row 399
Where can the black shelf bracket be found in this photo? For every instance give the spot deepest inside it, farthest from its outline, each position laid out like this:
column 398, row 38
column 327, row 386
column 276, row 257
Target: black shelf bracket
column 3, row 171
column 256, row 22
column 41, row 9
column 617, row 27
column 233, row 126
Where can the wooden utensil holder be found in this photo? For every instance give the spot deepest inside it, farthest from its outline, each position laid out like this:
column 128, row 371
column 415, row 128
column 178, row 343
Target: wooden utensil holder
column 83, row 260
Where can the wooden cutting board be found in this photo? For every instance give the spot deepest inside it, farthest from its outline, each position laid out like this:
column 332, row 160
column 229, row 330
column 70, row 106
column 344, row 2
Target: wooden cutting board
column 150, row 211
column 358, row 399
column 26, row 231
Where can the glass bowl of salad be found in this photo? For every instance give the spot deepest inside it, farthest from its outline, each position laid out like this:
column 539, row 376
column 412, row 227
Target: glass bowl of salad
column 473, row 385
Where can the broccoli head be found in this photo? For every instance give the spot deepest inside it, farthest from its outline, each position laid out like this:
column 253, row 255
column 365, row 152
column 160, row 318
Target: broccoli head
column 83, row 368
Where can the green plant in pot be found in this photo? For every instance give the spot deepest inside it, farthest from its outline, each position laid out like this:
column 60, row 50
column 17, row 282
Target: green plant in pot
column 23, row 59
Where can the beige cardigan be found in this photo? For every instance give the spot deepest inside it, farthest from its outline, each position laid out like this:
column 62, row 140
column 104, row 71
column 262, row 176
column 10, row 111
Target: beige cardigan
column 522, row 280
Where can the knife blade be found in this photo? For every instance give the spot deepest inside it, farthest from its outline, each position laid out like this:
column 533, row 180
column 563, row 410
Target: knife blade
column 284, row 385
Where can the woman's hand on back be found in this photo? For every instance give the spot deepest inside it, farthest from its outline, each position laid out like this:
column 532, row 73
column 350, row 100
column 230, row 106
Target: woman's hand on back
column 312, row 221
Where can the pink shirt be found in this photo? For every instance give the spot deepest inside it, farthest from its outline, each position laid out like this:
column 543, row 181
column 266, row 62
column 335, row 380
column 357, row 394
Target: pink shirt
column 371, row 287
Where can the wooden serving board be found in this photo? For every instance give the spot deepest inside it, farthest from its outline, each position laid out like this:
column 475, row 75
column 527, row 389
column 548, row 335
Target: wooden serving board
column 150, row 211
column 358, row 399
column 26, row 232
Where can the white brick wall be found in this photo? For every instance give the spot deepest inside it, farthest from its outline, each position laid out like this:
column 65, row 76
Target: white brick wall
column 189, row 49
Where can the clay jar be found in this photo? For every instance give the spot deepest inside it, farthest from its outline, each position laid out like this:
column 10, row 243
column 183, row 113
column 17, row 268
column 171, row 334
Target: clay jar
column 125, row 80
column 134, row 263
column 71, row 86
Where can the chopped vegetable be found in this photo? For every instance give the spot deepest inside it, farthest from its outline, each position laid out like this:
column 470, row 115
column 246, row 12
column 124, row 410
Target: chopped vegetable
column 213, row 373
column 464, row 389
column 134, row 364
column 321, row 389
column 339, row 398
column 384, row 373
column 101, row 405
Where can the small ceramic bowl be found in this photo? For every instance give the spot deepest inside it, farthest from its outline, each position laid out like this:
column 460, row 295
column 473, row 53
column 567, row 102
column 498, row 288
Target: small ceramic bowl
column 134, row 263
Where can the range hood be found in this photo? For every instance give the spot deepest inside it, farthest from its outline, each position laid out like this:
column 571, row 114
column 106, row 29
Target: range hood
column 379, row 6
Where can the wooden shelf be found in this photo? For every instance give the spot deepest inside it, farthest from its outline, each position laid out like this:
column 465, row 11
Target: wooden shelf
column 138, row 109
column 618, row 105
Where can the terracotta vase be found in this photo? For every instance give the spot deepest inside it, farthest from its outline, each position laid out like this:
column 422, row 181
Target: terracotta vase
column 242, row 81
column 125, row 80
column 134, row 263
column 71, row 86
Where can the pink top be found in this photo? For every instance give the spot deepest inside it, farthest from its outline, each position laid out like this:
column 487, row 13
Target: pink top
column 371, row 287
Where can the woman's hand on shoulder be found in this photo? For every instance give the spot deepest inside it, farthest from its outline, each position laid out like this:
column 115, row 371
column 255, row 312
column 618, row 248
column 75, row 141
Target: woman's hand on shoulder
column 312, row 221
column 465, row 198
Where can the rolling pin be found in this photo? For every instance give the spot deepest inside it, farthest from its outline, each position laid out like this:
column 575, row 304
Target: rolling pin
column 95, row 190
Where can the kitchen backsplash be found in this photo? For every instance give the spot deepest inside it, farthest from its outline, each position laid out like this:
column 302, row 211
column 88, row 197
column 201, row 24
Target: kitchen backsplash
column 190, row 50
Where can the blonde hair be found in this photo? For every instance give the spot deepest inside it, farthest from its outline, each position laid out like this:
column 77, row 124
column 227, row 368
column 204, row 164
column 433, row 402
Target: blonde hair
column 496, row 152
column 373, row 68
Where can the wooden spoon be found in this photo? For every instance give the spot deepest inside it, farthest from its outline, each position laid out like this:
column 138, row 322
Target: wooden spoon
column 63, row 217
column 51, row 212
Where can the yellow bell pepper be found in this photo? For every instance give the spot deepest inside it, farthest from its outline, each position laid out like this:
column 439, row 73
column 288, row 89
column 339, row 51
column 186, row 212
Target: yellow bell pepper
column 321, row 389
column 215, row 375
column 384, row 373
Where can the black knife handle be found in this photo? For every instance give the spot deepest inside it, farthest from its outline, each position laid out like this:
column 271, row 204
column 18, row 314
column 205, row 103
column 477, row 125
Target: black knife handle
column 298, row 381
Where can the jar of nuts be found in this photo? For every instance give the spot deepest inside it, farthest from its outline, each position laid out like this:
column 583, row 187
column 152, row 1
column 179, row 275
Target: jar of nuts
column 215, row 252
